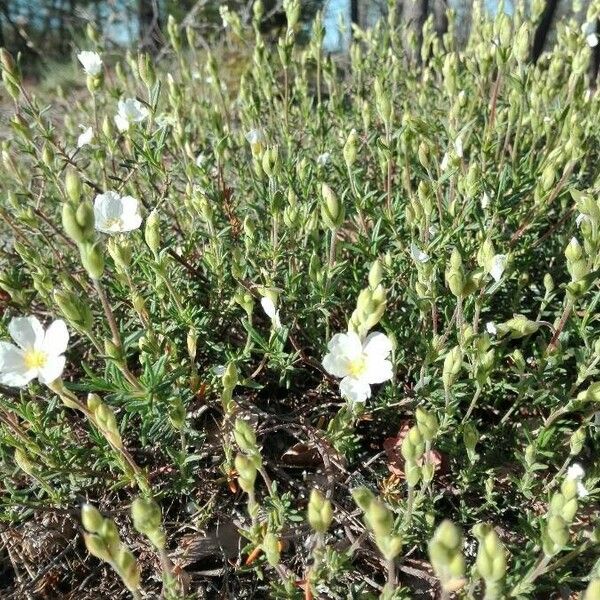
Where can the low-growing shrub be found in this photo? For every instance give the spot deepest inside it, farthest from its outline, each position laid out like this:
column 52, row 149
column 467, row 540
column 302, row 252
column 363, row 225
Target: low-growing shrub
column 328, row 331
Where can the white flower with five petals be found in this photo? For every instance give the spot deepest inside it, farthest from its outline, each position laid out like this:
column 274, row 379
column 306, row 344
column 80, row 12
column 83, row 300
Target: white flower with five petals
column 418, row 255
column 130, row 111
column 359, row 364
column 37, row 353
column 91, row 62
column 116, row 214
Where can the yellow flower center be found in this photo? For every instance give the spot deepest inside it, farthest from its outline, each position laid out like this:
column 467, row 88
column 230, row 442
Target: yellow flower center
column 35, row 359
column 112, row 223
column 357, row 367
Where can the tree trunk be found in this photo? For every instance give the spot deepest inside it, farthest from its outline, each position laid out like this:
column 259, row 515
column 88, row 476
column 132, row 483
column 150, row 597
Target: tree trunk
column 149, row 25
column 541, row 33
column 414, row 14
column 440, row 19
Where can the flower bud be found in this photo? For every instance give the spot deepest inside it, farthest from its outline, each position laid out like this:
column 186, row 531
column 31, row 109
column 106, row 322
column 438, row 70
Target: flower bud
column 332, row 210
column 320, row 512
column 92, row 259
column 91, row 518
column 152, row 232
column 245, row 437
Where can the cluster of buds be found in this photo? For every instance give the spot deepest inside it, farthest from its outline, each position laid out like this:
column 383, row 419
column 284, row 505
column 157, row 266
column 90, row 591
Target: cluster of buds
column 75, row 310
column 445, row 554
column 517, row 327
column 491, row 561
column 78, row 223
column 147, row 520
column 561, row 513
column 319, row 512
column 104, row 418
column 452, row 367
column 578, row 267
column 102, row 541
column 229, row 381
column 483, row 359
column 248, row 462
column 379, row 519
column 371, row 303
column 414, row 446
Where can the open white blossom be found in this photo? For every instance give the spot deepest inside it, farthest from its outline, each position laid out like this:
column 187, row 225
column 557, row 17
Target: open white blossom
column 323, row 159
column 201, row 159
column 417, row 254
column 498, row 266
column 271, row 311
column 490, row 327
column 116, row 214
column 130, row 111
column 37, row 353
column 86, row 137
column 360, row 364
column 576, row 472
column 582, row 218
column 485, row 200
column 91, row 62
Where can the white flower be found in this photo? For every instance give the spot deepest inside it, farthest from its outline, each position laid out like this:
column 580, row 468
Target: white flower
column 116, row 214
column 219, row 370
column 323, row 159
column 91, row 61
column 589, row 30
column 130, row 111
column 417, row 254
column 490, row 327
column 485, row 200
column 359, row 364
column 498, row 266
column 271, row 311
column 575, row 472
column 38, row 353
column 201, row 159
column 86, row 137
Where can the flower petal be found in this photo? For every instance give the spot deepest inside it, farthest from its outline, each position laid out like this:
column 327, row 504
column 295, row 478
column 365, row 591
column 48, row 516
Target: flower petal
column 27, row 332
column 336, row 364
column 377, row 345
column 11, row 357
column 17, row 378
column 52, row 369
column 355, row 390
column 56, row 339
column 377, row 370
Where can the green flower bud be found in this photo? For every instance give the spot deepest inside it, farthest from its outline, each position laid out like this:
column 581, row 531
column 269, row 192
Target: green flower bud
column 127, row 568
column 452, row 366
column 363, row 497
column 592, row 591
column 350, row 149
column 96, row 547
column 379, row 518
column 455, row 276
column 320, row 512
column 247, row 471
column 245, row 437
column 71, row 225
column 577, row 440
column 91, row 518
column 427, row 423
column 73, row 186
column 152, row 232
column 147, row 520
column 92, row 259
column 24, row 463
column 332, row 210
column 375, row 274
column 446, row 557
column 270, row 547
column 592, row 394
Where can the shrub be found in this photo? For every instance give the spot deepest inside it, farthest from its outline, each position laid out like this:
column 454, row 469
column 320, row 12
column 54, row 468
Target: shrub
column 347, row 309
